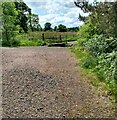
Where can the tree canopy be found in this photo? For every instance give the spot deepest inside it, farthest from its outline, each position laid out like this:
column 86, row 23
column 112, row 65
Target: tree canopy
column 47, row 26
column 62, row 28
column 102, row 18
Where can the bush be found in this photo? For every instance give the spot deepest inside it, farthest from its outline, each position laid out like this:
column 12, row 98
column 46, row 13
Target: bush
column 101, row 58
column 86, row 30
column 11, row 43
column 27, row 40
column 107, row 64
column 98, row 45
column 90, row 62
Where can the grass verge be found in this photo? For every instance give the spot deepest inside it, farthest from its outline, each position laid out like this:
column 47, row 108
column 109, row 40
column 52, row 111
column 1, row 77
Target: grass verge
column 87, row 62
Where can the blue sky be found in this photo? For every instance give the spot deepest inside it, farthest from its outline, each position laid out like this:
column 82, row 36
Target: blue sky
column 56, row 12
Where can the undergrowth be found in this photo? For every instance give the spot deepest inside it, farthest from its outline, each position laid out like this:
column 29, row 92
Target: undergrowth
column 98, row 55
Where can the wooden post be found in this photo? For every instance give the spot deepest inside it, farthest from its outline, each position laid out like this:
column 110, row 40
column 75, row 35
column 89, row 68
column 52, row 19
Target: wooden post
column 66, row 37
column 43, row 37
column 60, row 38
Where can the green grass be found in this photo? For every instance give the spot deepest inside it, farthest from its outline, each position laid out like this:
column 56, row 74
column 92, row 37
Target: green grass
column 31, row 43
column 87, row 64
column 35, row 38
column 50, row 36
column 0, row 43
column 81, row 54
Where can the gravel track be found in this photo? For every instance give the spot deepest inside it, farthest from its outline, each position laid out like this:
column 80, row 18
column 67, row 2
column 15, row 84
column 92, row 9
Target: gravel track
column 46, row 82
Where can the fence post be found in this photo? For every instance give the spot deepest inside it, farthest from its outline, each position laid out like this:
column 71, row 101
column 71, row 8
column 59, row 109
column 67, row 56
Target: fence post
column 43, row 37
column 66, row 37
column 60, row 38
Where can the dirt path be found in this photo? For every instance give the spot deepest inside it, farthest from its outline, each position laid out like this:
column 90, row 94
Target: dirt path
column 45, row 82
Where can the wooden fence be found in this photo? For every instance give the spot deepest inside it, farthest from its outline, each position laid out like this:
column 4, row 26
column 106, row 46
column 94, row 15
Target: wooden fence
column 51, row 37
column 58, row 38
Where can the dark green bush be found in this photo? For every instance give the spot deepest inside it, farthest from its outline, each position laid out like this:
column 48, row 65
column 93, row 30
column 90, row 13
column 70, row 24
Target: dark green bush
column 98, row 45
column 11, row 43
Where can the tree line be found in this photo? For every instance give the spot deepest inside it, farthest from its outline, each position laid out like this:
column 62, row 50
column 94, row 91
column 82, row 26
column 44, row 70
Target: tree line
column 59, row 28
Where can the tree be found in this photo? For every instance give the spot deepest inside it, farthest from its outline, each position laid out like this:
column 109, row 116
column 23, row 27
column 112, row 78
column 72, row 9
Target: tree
column 27, row 19
column 9, row 19
column 33, row 22
column 55, row 28
column 62, row 28
column 23, row 22
column 47, row 26
column 114, row 19
column 73, row 29
column 103, row 16
column 22, row 16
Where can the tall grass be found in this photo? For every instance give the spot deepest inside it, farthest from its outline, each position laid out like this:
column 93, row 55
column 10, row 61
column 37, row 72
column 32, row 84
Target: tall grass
column 40, row 38
column 36, row 38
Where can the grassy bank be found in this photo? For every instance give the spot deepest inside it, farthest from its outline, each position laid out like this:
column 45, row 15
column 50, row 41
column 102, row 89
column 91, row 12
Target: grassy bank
column 93, row 68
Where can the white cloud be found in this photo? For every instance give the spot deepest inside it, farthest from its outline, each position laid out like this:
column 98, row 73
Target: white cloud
column 56, row 12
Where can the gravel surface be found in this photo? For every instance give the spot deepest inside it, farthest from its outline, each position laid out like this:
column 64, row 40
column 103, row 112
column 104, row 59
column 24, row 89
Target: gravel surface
column 46, row 82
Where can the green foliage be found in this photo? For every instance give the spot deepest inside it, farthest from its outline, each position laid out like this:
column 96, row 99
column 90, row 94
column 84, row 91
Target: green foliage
column 103, row 16
column 31, row 43
column 16, row 17
column 55, row 28
column 86, row 30
column 10, row 43
column 89, row 62
column 99, row 54
column 103, row 65
column 107, row 64
column 98, row 36
column 105, row 49
column 62, row 28
column 28, row 40
column 33, row 21
column 22, row 8
column 98, row 44
column 35, row 38
column 9, row 19
column 73, row 29
column 47, row 26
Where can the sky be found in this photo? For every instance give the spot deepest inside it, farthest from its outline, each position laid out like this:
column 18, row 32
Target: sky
column 56, row 12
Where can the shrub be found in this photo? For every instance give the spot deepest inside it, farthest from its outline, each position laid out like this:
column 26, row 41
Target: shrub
column 101, row 58
column 107, row 64
column 90, row 62
column 86, row 30
column 10, row 43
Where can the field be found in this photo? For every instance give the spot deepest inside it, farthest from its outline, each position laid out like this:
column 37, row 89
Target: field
column 54, row 35
column 42, row 38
